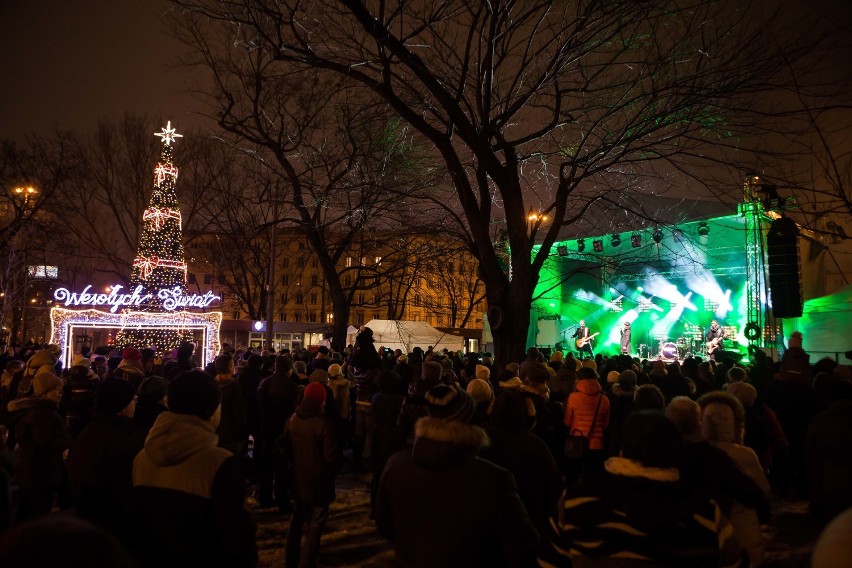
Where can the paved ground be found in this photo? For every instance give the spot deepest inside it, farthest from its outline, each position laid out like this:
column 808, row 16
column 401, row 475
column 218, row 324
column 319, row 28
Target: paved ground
column 350, row 538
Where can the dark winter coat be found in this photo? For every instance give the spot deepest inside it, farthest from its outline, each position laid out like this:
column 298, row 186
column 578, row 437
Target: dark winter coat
column 100, row 471
column 77, row 404
column 386, row 438
column 248, row 380
column 531, row 462
column 277, row 397
column 190, row 495
column 39, row 432
column 311, row 445
column 671, row 385
column 143, row 419
column 365, row 364
column 441, row 505
column 829, row 461
column 621, row 404
column 233, row 428
column 709, row 469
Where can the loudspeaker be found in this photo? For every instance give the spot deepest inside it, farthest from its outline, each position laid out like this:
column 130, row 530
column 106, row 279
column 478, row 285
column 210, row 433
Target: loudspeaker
column 785, row 282
column 735, row 356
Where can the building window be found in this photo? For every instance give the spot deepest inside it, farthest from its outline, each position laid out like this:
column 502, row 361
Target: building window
column 347, row 280
column 313, row 298
column 312, row 317
column 301, row 263
column 348, row 262
column 285, row 280
column 301, row 245
column 377, row 315
column 314, row 262
column 329, row 317
column 297, row 316
column 284, row 298
column 221, row 279
column 286, row 262
column 361, row 299
column 314, row 280
column 190, row 279
column 300, row 299
column 379, row 260
column 283, row 316
column 208, row 279
column 451, row 267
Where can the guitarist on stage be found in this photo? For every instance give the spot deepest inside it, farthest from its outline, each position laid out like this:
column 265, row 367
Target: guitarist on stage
column 584, row 340
column 713, row 339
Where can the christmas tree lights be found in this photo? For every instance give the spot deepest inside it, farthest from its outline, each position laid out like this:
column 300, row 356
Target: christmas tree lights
column 159, row 263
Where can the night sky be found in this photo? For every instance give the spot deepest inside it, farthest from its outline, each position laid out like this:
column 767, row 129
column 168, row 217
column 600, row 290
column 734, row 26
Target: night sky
column 68, row 63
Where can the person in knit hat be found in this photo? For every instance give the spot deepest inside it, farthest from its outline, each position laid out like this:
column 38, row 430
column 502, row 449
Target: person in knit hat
column 482, row 395
column 100, row 463
column 39, row 433
column 190, row 492
column 130, row 369
column 150, row 403
column 310, row 443
column 468, row 509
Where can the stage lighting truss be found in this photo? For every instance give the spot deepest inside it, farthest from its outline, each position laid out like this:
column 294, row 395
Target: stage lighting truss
column 597, row 244
column 710, row 305
column 644, row 305
column 616, row 241
column 657, row 236
column 581, row 245
column 636, row 240
column 562, row 250
column 703, row 229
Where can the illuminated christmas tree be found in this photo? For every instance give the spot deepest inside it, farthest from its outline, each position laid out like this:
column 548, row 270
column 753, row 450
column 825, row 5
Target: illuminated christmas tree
column 159, row 267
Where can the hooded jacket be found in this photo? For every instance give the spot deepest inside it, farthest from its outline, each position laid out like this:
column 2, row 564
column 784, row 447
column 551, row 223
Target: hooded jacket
column 439, row 504
column 580, row 411
column 190, row 495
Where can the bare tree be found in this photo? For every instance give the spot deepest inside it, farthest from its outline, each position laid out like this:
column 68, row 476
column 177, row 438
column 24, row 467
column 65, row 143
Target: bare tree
column 532, row 105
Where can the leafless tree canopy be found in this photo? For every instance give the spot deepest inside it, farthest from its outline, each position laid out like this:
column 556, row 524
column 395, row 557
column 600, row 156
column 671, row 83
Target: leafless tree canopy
column 550, row 107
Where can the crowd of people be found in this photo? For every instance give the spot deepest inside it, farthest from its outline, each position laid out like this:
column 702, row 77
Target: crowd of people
column 133, row 460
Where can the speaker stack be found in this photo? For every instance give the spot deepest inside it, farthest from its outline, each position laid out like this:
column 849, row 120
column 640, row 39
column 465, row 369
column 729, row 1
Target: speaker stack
column 785, row 281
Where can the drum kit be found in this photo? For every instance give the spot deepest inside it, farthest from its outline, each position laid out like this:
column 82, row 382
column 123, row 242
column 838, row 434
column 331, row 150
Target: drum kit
column 689, row 343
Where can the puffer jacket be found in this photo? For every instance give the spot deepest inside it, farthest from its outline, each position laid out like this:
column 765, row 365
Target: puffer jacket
column 580, row 411
column 311, row 442
column 440, row 504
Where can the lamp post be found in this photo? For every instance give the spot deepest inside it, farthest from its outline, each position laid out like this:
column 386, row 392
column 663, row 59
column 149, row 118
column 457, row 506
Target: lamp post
column 21, row 201
column 270, row 283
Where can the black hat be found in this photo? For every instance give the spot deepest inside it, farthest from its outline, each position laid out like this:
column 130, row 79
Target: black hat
column 450, row 403
column 113, row 396
column 153, row 389
column 195, row 393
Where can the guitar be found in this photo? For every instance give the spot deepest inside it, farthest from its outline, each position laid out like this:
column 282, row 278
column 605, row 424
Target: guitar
column 583, row 341
column 714, row 344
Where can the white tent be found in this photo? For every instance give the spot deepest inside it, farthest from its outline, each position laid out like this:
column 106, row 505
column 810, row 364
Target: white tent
column 406, row 335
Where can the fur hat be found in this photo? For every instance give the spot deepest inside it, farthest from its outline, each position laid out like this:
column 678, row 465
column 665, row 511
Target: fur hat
column 300, row 367
column 513, row 368
column 334, row 371
column 112, row 396
column 483, row 372
column 315, row 392
column 450, row 403
column 79, row 361
column 480, row 390
column 722, row 417
column 612, row 377
column 194, row 393
column 402, row 359
column 44, row 382
column 132, row 354
column 557, row 356
column 536, row 373
column 590, row 364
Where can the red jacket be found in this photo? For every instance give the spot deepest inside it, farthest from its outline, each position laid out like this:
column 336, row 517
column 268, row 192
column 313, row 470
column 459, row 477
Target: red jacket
column 580, row 410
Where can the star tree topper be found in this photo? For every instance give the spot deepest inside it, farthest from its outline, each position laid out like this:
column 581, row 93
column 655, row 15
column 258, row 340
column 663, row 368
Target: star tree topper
column 168, row 134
